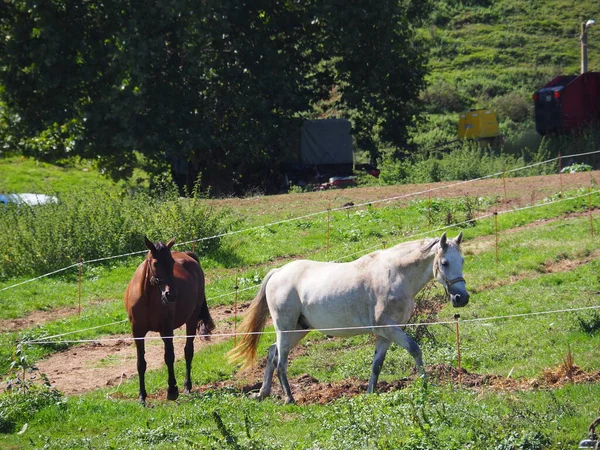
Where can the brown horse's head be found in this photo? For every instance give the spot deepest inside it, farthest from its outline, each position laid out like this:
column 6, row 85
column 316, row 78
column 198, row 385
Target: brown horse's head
column 160, row 269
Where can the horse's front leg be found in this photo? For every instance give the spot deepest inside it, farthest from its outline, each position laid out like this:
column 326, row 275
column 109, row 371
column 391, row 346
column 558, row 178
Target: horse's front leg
column 381, row 347
column 190, row 331
column 141, row 365
column 167, row 337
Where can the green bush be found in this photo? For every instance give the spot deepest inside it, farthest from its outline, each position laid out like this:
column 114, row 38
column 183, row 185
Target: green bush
column 17, row 408
column 95, row 223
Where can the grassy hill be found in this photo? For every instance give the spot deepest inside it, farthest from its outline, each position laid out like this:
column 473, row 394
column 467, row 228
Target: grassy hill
column 494, row 54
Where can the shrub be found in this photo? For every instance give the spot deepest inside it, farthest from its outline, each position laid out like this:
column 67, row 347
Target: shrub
column 514, row 105
column 94, row 223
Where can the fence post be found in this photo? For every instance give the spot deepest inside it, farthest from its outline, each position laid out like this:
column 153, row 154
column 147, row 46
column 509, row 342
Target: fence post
column 79, row 283
column 428, row 207
column 496, row 232
column 505, row 196
column 328, row 230
column 560, row 173
column 590, row 210
column 456, row 317
column 235, row 303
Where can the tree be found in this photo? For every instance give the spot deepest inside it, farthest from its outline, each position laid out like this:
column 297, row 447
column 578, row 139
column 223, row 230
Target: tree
column 214, row 87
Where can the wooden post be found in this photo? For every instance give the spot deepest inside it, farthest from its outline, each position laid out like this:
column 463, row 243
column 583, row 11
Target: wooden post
column 429, row 207
column 505, row 196
column 456, row 317
column 590, row 210
column 496, row 227
column 560, row 173
column 235, row 303
column 80, row 270
column 328, row 230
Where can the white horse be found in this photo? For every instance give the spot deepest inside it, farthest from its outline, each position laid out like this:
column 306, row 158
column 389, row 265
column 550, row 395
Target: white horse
column 373, row 294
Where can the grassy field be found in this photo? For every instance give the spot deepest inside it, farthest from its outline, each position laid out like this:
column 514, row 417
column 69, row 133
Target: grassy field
column 529, row 340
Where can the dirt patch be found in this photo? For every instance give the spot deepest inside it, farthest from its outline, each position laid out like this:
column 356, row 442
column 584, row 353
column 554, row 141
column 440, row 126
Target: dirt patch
column 308, row 390
column 35, row 318
column 513, row 192
column 109, row 362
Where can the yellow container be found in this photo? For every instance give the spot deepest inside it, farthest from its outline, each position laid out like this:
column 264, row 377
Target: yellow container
column 478, row 124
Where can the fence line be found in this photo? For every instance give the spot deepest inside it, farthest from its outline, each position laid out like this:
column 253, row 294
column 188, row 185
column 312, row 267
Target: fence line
column 231, row 233
column 50, row 339
column 352, row 254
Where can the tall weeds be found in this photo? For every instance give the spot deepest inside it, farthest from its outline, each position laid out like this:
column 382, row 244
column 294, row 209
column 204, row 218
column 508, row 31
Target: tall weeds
column 94, row 223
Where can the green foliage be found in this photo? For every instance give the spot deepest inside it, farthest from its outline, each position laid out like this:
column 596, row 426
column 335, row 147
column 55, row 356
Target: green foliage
column 469, row 161
column 24, row 396
column 216, row 89
column 92, row 223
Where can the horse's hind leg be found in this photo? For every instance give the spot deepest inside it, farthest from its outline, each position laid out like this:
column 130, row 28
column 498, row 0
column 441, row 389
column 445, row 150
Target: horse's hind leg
column 167, row 337
column 395, row 334
column 272, row 361
column 381, row 347
column 285, row 342
column 190, row 331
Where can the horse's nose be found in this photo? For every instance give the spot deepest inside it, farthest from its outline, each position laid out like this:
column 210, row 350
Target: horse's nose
column 459, row 300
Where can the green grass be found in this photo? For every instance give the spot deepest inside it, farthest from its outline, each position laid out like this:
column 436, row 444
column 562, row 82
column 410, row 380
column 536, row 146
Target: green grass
column 19, row 174
column 438, row 416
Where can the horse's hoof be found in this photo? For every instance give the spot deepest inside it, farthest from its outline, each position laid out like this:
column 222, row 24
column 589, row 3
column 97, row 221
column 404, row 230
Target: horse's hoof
column 289, row 401
column 172, row 393
column 256, row 396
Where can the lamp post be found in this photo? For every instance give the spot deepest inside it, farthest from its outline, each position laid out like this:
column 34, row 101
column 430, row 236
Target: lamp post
column 584, row 28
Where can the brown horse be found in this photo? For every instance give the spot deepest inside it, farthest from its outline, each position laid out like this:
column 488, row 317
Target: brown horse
column 167, row 291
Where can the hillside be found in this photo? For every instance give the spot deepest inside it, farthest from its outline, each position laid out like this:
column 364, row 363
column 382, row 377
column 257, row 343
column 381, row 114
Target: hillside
column 495, row 54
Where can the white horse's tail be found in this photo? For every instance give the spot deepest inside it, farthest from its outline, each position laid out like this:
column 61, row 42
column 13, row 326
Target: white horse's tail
column 254, row 322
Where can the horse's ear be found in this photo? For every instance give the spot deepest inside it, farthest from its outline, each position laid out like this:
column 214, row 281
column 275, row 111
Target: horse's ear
column 149, row 245
column 458, row 238
column 443, row 241
column 170, row 243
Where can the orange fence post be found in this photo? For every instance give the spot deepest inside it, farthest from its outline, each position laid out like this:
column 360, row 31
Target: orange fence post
column 328, row 230
column 456, row 317
column 590, row 210
column 235, row 303
column 560, row 173
column 496, row 227
column 80, row 270
column 505, row 196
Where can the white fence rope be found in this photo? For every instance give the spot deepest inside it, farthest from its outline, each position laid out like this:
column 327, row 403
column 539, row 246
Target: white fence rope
column 321, row 212
column 344, row 257
column 230, row 233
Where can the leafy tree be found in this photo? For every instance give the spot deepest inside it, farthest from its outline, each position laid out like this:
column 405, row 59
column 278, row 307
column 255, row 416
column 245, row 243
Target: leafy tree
column 215, row 87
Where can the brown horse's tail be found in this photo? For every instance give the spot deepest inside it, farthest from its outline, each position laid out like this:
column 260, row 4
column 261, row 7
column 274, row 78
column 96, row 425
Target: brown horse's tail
column 254, row 322
column 206, row 321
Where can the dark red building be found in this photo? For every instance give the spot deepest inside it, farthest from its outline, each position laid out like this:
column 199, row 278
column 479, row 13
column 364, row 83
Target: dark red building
column 567, row 103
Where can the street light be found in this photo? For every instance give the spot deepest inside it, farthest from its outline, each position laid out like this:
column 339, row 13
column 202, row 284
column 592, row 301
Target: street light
column 584, row 28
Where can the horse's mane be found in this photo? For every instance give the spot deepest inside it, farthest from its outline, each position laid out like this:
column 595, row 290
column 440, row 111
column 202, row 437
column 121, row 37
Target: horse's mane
column 192, row 255
column 430, row 245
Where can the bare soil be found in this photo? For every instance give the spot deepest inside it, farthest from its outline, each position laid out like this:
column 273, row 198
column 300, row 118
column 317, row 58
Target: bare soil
column 94, row 365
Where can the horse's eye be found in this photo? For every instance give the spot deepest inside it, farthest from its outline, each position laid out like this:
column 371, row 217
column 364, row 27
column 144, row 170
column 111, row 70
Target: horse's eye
column 444, row 262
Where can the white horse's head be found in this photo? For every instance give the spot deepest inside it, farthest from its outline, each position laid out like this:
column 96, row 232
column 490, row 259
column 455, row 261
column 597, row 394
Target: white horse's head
column 447, row 269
